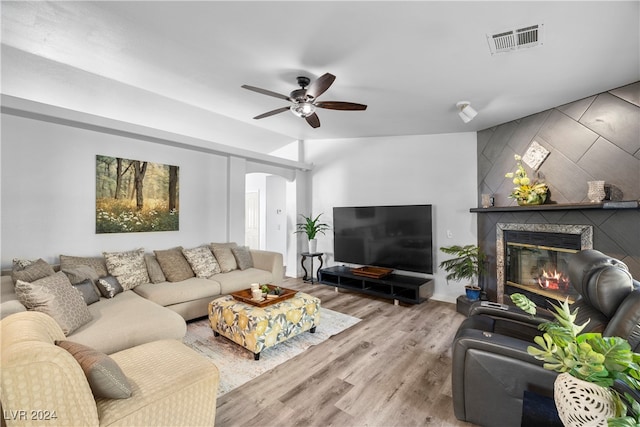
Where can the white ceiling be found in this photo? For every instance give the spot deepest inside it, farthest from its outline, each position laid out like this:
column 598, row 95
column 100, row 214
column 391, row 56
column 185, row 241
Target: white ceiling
column 410, row 62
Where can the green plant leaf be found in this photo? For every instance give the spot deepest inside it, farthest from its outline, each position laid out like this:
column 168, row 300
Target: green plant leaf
column 523, row 303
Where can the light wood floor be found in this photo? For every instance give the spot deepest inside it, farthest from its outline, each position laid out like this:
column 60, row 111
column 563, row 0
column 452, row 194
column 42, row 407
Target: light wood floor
column 391, row 369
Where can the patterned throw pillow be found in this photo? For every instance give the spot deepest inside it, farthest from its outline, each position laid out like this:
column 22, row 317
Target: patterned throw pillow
column 32, row 272
column 54, row 295
column 98, row 264
column 21, row 263
column 128, row 267
column 222, row 252
column 202, row 261
column 243, row 257
column 109, row 286
column 104, row 376
column 153, row 268
column 174, row 265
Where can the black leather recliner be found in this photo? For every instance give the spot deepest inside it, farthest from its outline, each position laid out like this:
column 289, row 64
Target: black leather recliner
column 491, row 367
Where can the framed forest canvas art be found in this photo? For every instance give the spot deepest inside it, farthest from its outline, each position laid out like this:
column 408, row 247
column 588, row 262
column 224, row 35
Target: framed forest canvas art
column 135, row 196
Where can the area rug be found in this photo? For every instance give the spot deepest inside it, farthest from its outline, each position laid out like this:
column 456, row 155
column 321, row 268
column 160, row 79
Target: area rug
column 236, row 364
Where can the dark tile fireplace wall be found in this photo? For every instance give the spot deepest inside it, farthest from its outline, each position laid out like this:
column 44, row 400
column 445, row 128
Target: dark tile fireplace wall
column 596, row 138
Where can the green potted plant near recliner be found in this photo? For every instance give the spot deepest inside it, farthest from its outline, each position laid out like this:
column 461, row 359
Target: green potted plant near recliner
column 468, row 264
column 311, row 227
column 589, row 358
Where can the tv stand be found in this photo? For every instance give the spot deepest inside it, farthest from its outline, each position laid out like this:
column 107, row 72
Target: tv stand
column 397, row 287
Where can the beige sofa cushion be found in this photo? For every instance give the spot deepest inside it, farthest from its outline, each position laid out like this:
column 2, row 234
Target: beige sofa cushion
column 172, row 386
column 237, row 280
column 127, row 320
column 169, row 293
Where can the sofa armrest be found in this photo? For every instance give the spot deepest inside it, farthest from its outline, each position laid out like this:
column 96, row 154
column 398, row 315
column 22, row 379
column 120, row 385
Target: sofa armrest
column 512, row 313
column 488, row 368
column 269, row 261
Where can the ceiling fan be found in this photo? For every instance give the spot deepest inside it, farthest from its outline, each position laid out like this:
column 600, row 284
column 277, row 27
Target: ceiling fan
column 304, row 101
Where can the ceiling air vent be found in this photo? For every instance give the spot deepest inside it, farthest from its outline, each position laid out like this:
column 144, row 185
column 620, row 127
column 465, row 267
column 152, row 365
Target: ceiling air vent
column 516, row 39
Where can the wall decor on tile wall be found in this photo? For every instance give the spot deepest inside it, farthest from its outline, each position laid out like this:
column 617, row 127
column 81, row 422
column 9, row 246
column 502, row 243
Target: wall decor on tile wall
column 535, row 155
column 135, row 196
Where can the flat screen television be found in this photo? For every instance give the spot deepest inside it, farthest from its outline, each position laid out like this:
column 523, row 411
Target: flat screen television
column 396, row 237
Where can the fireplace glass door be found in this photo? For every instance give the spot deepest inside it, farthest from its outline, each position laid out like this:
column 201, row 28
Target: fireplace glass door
column 540, row 269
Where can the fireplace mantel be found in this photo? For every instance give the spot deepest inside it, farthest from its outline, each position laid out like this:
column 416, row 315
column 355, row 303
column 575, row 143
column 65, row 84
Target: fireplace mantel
column 628, row 204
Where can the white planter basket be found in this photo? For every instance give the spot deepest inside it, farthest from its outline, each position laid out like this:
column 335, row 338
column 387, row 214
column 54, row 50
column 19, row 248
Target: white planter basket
column 313, row 245
column 581, row 403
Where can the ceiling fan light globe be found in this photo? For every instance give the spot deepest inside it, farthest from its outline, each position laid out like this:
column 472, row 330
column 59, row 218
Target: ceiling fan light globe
column 302, row 109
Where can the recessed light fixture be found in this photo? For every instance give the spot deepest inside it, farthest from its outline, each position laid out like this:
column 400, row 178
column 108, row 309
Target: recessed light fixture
column 466, row 113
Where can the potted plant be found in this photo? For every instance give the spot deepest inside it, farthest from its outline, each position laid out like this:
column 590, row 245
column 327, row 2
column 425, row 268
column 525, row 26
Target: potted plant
column 589, row 357
column 311, row 227
column 468, row 264
column 527, row 192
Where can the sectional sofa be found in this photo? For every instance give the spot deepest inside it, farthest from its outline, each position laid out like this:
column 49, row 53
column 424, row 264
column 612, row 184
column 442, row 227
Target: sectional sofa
column 155, row 304
column 97, row 340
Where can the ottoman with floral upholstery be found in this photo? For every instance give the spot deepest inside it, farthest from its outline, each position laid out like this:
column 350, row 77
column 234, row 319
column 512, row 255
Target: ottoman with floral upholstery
column 257, row 328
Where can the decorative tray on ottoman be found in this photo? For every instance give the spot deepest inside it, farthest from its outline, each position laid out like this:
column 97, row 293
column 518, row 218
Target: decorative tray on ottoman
column 246, row 297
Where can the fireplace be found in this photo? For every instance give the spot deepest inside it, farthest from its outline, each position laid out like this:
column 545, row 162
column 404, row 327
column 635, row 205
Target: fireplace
column 533, row 259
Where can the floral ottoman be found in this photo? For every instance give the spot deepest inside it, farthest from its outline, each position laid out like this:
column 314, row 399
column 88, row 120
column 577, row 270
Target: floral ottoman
column 257, row 328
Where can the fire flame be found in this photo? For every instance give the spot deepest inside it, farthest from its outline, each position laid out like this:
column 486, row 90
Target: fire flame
column 555, row 280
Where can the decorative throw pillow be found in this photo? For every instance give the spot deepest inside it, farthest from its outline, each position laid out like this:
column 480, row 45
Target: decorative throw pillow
column 32, row 272
column 88, row 291
column 80, row 274
column 129, row 267
column 225, row 258
column 202, row 261
column 54, row 295
column 109, row 286
column 21, row 264
column 174, row 265
column 105, row 377
column 98, row 263
column 243, row 257
column 153, row 268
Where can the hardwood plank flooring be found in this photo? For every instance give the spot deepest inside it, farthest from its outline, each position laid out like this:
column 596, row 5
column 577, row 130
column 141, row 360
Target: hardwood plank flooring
column 391, row 369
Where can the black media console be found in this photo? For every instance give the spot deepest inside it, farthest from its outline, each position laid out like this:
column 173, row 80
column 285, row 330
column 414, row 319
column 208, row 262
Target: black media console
column 397, row 287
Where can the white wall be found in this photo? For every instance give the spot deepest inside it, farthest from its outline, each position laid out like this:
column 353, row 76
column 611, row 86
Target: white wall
column 276, row 214
column 425, row 169
column 48, row 192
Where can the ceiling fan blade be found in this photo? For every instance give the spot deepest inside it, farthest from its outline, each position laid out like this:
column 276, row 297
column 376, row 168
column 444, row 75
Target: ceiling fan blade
column 320, row 86
column 337, row 105
column 271, row 113
column 313, row 120
column 266, row 92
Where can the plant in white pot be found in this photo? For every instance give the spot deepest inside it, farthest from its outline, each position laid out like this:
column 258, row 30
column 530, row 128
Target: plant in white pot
column 588, row 364
column 468, row 264
column 311, row 227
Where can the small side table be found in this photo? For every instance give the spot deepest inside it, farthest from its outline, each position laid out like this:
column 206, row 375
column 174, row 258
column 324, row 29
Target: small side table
column 309, row 278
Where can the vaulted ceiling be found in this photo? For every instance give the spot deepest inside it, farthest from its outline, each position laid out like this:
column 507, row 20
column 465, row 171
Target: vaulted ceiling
column 410, row 62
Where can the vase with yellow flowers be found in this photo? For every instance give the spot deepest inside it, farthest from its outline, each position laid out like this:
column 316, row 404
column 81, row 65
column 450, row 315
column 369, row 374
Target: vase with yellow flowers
column 526, row 192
